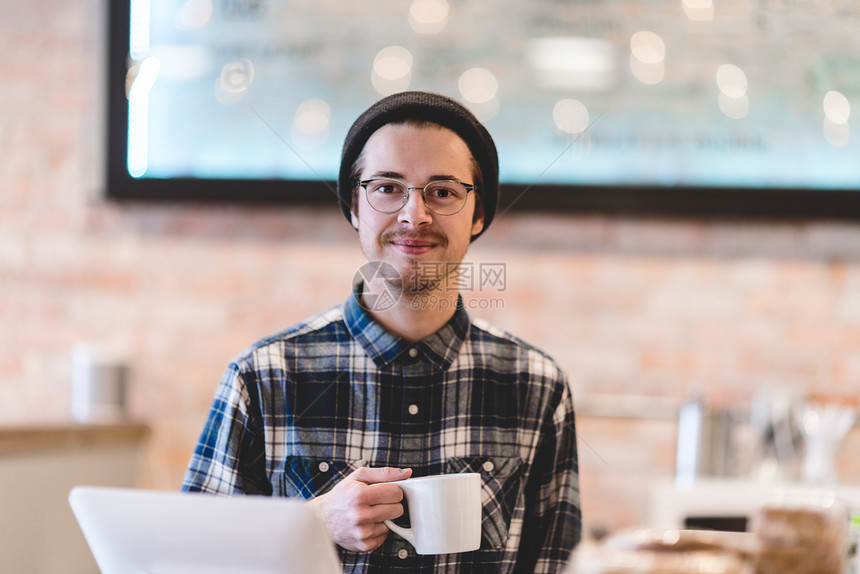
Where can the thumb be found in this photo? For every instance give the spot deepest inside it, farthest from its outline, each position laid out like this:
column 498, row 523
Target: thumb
column 369, row 475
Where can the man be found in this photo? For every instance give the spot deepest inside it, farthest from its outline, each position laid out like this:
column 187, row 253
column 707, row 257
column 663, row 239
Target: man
column 399, row 381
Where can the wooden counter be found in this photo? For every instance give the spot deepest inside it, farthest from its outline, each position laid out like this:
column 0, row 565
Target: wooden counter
column 16, row 439
column 39, row 464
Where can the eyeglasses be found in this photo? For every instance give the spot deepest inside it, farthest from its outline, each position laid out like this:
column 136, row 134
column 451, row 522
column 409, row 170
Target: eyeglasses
column 443, row 197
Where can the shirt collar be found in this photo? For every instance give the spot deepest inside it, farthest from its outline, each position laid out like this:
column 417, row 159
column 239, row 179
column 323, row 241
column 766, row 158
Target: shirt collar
column 384, row 347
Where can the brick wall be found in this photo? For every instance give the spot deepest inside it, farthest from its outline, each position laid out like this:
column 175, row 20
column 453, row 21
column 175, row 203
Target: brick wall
column 646, row 307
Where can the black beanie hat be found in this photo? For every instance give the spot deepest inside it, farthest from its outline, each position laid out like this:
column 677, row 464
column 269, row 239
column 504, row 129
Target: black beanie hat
column 431, row 107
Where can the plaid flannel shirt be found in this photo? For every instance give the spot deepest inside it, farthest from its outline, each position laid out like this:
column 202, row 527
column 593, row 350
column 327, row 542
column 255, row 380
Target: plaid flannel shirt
column 298, row 411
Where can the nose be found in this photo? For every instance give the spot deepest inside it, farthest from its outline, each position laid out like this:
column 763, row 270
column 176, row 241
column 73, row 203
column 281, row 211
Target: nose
column 415, row 211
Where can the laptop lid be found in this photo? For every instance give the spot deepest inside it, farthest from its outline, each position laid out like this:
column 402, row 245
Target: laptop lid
column 132, row 531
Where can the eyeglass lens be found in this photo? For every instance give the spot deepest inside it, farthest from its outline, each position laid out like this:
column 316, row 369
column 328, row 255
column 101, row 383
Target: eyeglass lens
column 441, row 197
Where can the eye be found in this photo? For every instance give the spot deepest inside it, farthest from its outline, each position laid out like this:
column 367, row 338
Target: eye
column 446, row 190
column 386, row 187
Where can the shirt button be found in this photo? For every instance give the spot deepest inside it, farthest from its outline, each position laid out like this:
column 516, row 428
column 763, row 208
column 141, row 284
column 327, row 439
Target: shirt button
column 403, row 553
column 488, row 466
column 413, row 352
column 323, row 466
column 413, row 409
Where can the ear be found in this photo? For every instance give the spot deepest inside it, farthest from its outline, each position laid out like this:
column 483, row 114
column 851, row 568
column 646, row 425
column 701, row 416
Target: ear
column 353, row 217
column 477, row 225
column 478, row 217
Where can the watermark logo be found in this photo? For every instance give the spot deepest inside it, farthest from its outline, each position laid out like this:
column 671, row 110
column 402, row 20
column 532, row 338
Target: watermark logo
column 391, row 281
column 478, row 280
column 464, row 277
column 493, row 275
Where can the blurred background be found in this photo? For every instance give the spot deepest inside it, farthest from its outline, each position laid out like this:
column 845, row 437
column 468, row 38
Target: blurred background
column 726, row 332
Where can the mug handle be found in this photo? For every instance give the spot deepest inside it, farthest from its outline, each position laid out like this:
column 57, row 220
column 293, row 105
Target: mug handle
column 405, row 533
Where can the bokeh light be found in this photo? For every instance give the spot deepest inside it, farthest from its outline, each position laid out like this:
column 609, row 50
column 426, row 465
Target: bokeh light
column 570, row 116
column 139, row 29
column 837, row 108
column 311, row 123
column 478, row 85
column 392, row 70
column 572, row 63
column 647, row 57
column 138, row 117
column 195, row 13
column 237, row 76
column 428, row 16
column 734, row 108
column 235, row 79
column 837, row 135
column 698, row 10
column 732, row 81
column 312, row 116
column 647, row 47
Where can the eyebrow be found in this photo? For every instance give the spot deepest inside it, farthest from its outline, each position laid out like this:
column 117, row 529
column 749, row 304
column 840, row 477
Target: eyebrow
column 398, row 175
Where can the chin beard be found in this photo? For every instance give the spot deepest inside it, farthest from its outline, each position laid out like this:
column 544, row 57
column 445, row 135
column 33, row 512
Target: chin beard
column 424, row 277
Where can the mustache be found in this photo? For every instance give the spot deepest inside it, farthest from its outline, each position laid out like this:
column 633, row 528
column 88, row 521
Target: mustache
column 430, row 236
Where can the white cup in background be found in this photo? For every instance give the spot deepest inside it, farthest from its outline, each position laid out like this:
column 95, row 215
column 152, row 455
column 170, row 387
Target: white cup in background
column 444, row 513
column 99, row 380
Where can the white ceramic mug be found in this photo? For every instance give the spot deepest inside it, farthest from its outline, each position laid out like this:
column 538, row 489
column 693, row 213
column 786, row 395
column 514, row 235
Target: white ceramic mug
column 99, row 381
column 444, row 513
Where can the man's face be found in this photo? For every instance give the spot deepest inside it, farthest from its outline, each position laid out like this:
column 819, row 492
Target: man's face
column 420, row 244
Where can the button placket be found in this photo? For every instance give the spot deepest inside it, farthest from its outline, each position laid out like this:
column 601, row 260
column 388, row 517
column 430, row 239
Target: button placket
column 411, row 399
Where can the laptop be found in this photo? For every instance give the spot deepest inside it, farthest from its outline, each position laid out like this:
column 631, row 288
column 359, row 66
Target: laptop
column 133, row 531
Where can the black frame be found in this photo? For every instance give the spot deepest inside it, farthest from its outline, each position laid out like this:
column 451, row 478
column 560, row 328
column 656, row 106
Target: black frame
column 755, row 203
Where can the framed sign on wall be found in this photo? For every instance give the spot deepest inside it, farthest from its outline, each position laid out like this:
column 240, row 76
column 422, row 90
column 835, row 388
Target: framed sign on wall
column 693, row 107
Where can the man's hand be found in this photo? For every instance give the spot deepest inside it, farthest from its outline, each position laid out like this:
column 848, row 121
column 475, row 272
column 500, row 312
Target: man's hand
column 354, row 509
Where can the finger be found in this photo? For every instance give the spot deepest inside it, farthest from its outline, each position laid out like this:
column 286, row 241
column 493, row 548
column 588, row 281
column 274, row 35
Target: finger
column 380, row 493
column 371, row 531
column 371, row 544
column 365, row 538
column 369, row 475
column 380, row 512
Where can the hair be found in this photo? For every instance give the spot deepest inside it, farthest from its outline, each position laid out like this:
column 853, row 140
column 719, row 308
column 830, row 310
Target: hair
column 477, row 177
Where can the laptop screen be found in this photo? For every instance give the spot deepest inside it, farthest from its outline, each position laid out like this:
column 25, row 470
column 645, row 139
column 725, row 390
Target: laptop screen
column 133, row 531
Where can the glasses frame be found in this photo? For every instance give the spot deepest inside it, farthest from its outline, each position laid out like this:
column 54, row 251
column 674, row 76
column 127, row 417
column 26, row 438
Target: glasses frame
column 364, row 183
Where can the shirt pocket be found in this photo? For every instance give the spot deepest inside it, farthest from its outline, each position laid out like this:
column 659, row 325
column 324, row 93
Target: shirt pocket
column 307, row 477
column 501, row 479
